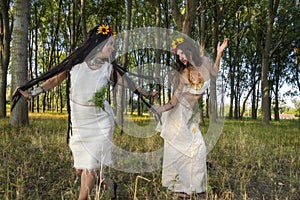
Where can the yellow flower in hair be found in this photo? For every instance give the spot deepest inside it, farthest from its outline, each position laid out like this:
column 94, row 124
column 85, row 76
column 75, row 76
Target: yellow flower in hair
column 176, row 42
column 179, row 40
column 103, row 30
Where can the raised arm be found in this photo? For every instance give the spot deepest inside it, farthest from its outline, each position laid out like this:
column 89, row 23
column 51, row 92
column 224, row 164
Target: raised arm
column 220, row 49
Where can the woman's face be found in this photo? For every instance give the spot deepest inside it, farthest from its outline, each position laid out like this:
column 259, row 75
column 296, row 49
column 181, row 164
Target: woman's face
column 182, row 56
column 108, row 49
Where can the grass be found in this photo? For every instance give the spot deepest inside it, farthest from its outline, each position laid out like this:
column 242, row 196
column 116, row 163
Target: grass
column 248, row 161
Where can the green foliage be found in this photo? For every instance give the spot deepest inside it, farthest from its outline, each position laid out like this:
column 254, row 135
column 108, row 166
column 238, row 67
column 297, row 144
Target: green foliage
column 99, row 97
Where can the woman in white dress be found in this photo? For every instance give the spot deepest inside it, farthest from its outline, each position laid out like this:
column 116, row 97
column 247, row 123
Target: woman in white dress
column 91, row 121
column 184, row 161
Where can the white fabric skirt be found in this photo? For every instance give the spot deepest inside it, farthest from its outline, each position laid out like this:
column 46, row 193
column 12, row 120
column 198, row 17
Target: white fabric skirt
column 91, row 138
column 182, row 173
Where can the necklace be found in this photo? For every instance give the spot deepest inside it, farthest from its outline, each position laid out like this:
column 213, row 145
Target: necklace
column 196, row 81
column 95, row 63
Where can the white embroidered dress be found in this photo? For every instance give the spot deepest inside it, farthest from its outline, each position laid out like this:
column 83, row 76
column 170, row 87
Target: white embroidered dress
column 92, row 127
column 184, row 159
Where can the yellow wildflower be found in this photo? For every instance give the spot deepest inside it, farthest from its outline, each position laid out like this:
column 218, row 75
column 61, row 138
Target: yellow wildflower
column 103, row 30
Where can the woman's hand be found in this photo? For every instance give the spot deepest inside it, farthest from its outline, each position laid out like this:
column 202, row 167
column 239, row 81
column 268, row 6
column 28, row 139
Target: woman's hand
column 28, row 95
column 23, row 93
column 222, row 47
column 156, row 109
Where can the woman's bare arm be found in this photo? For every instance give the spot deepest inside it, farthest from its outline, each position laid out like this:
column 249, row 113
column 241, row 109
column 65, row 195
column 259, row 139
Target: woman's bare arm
column 54, row 81
column 220, row 49
column 126, row 82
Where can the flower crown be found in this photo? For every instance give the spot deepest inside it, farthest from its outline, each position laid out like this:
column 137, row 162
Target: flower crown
column 104, row 30
column 175, row 43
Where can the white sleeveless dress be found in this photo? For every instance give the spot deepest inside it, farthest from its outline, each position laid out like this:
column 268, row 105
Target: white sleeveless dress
column 92, row 127
column 184, row 159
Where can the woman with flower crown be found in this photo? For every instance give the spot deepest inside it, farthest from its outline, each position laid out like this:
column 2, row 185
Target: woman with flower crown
column 184, row 160
column 91, row 121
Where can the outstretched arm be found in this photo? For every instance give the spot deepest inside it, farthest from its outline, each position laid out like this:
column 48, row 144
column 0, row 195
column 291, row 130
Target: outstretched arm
column 47, row 85
column 168, row 106
column 120, row 78
column 54, row 81
column 220, row 49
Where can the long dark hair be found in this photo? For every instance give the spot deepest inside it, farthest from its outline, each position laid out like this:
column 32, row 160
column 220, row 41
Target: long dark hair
column 192, row 54
column 77, row 56
column 84, row 51
column 94, row 43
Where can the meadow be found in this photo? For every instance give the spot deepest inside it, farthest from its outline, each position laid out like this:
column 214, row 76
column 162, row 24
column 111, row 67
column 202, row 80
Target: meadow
column 248, row 162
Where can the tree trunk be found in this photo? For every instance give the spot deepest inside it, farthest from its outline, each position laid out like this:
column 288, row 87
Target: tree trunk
column 232, row 88
column 30, row 64
column 36, row 45
column 253, row 100
column 265, row 104
column 202, row 36
column 265, row 91
column 257, row 100
column 186, row 21
column 213, row 87
column 19, row 115
column 120, row 89
column 217, row 14
column 246, row 98
column 189, row 17
column 276, row 90
column 297, row 70
column 83, row 18
column 237, row 93
column 4, row 54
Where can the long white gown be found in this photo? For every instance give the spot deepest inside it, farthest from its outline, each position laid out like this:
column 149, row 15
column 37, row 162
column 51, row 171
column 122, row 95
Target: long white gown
column 92, row 127
column 184, row 159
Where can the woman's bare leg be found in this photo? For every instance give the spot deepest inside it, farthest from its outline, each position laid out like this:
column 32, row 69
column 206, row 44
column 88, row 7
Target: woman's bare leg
column 88, row 179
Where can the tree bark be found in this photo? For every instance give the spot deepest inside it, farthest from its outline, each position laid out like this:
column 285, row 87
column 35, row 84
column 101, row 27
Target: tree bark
column 4, row 53
column 213, row 85
column 265, row 103
column 19, row 116
column 297, row 70
column 176, row 14
column 189, row 17
column 83, row 18
column 253, row 99
column 246, row 98
column 184, row 21
column 120, row 89
column 202, row 44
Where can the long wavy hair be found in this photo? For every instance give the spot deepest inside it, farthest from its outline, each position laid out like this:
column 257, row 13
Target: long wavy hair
column 95, row 41
column 192, row 54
